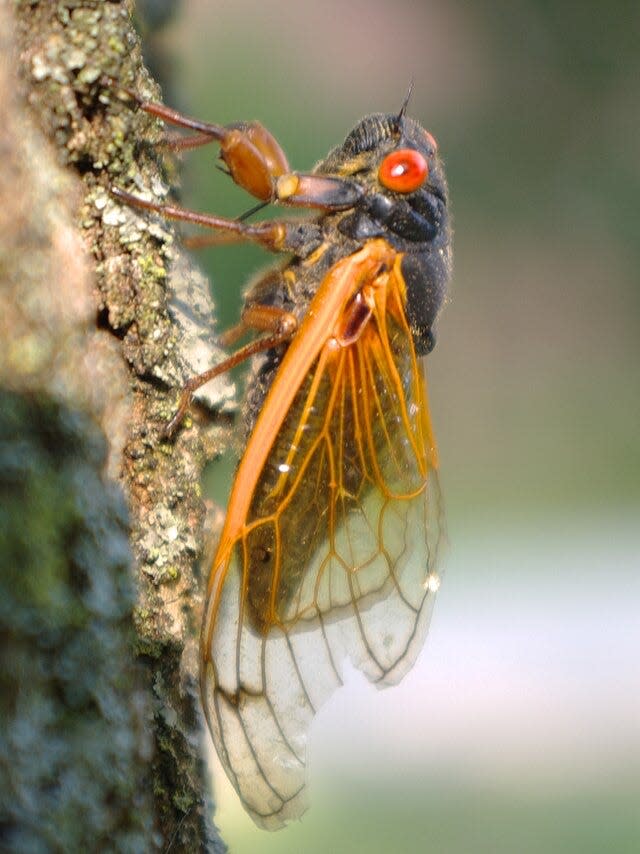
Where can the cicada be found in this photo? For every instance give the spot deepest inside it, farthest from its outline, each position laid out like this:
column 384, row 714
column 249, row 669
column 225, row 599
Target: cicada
column 330, row 545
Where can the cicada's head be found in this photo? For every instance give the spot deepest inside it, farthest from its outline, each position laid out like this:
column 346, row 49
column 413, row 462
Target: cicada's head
column 396, row 163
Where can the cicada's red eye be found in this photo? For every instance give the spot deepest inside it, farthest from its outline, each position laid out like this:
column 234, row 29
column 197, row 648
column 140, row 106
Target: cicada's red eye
column 403, row 171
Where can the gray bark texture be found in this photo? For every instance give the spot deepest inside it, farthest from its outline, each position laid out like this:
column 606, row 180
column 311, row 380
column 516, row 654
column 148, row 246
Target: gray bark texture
column 101, row 519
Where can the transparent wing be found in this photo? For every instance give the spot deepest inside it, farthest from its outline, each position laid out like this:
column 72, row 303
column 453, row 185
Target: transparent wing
column 336, row 559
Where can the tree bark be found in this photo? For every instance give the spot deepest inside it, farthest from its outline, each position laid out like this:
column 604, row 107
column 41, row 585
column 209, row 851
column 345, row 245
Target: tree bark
column 101, row 519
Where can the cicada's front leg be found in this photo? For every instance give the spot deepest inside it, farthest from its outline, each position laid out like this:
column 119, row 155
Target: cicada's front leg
column 255, row 160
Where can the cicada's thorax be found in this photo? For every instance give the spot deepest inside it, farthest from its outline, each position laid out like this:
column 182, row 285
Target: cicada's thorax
column 416, row 224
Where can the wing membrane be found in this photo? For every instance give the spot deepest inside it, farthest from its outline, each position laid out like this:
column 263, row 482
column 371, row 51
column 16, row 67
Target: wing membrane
column 335, row 558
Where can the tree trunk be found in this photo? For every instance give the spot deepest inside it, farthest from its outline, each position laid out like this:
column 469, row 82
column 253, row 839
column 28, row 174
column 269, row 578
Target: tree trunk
column 101, row 519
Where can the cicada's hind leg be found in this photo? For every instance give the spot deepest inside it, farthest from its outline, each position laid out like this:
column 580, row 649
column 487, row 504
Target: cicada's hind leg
column 278, row 327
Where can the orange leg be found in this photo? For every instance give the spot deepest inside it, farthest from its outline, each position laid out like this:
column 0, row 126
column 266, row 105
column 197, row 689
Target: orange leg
column 186, row 143
column 271, row 235
column 254, row 159
column 279, row 324
column 259, row 318
column 251, row 153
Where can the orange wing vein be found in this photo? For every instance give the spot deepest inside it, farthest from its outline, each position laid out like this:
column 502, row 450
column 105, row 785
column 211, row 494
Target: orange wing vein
column 330, row 543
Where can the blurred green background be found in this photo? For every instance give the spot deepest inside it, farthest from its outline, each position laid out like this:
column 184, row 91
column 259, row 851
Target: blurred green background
column 519, row 729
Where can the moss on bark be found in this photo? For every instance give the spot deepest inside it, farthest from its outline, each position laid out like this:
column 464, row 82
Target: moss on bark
column 107, row 696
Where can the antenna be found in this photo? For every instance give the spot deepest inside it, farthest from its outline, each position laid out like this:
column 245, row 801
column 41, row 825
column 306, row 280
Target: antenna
column 405, row 104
